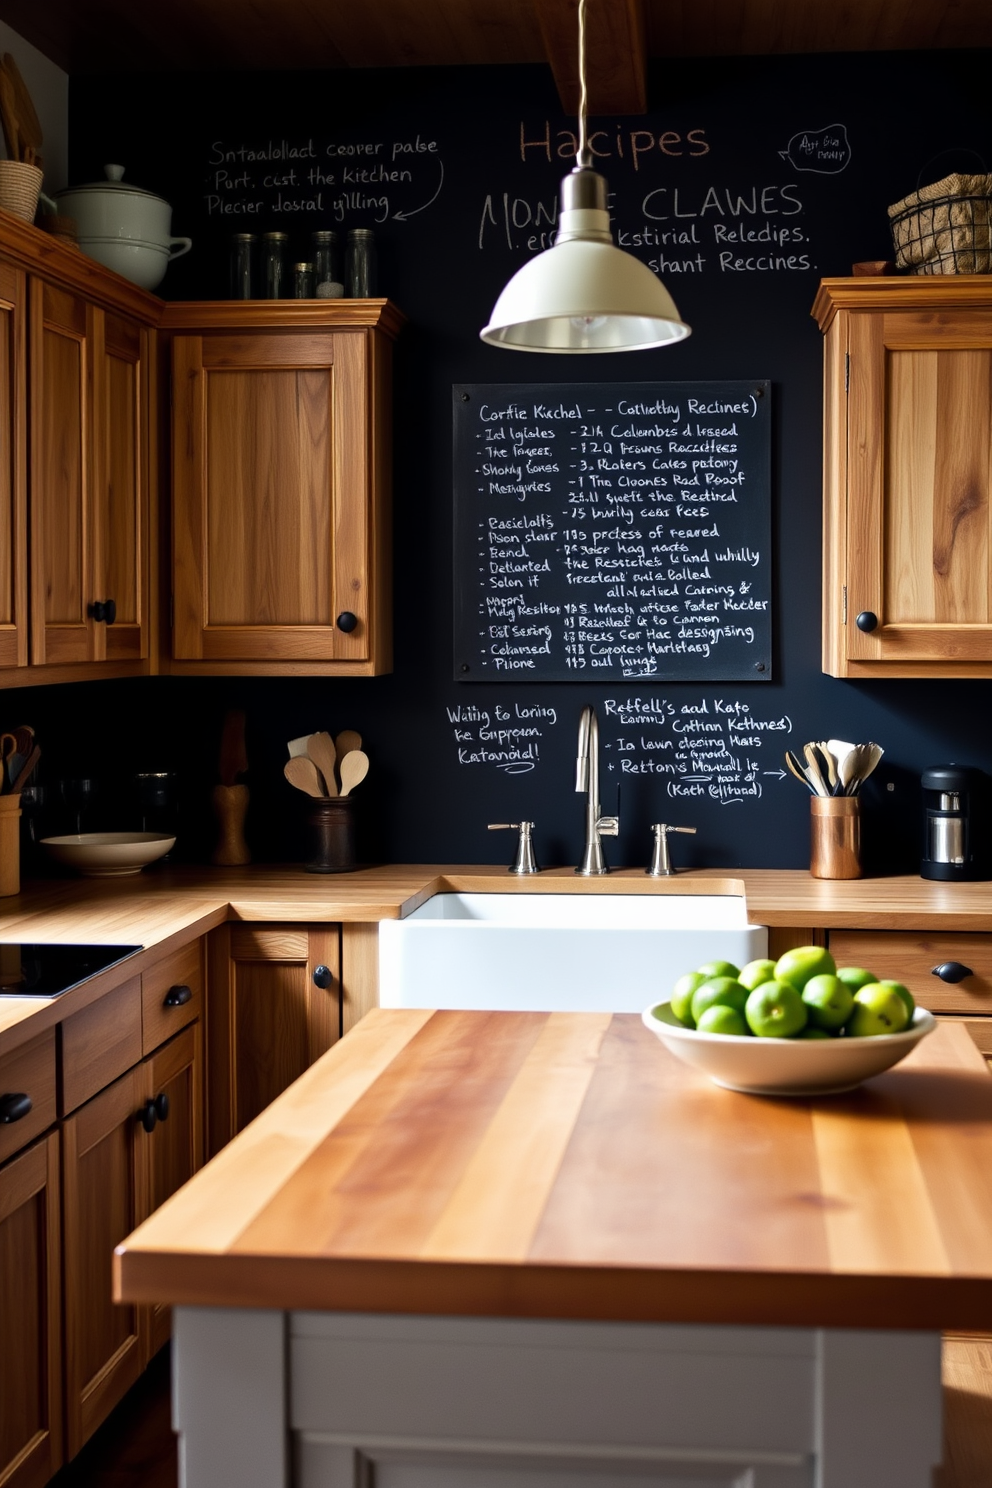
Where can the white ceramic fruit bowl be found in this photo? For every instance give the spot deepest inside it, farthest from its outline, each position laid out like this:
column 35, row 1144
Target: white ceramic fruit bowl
column 778, row 1066
column 108, row 854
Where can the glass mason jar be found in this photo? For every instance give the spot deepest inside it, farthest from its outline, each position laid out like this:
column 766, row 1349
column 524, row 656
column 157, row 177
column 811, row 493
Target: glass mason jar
column 326, row 264
column 360, row 275
column 242, row 266
column 274, row 272
column 303, row 281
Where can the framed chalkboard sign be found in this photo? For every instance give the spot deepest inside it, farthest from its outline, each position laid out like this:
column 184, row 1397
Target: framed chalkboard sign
column 613, row 531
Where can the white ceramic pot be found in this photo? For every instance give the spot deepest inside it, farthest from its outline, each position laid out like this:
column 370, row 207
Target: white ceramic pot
column 123, row 227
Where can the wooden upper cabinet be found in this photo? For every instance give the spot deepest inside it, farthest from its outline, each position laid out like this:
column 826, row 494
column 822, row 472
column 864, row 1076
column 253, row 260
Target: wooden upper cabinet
column 88, row 503
column 281, row 487
column 907, row 474
column 13, row 469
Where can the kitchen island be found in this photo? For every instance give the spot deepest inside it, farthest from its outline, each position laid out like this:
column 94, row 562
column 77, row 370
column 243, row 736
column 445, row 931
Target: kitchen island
column 528, row 1249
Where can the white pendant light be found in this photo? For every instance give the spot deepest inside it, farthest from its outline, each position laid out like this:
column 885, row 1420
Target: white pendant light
column 584, row 294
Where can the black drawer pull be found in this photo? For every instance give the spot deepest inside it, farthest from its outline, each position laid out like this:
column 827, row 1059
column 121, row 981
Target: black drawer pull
column 177, row 996
column 347, row 621
column 148, row 1116
column 952, row 971
column 14, row 1108
column 867, row 621
column 161, row 1104
column 323, row 977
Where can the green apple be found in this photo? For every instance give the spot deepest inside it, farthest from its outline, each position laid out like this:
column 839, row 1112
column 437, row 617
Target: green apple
column 903, row 992
column 814, row 1033
column 722, row 1019
column 682, row 996
column 756, row 972
column 775, row 1010
column 797, row 966
column 877, row 1009
column 718, row 992
column 717, row 969
column 856, row 977
column 829, row 1002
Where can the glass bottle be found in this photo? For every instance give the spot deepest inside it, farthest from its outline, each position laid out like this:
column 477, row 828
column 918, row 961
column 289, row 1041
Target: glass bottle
column 274, row 273
column 242, row 266
column 328, row 281
column 303, row 281
column 359, row 264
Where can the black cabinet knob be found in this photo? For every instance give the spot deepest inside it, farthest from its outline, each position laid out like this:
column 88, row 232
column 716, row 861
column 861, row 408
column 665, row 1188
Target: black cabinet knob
column 867, row 620
column 952, row 971
column 177, row 997
column 14, row 1108
column 103, row 609
column 323, row 976
column 161, row 1104
column 347, row 622
column 148, row 1116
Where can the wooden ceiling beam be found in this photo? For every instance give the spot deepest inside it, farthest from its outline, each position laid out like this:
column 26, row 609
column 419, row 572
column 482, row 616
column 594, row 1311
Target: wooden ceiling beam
column 616, row 55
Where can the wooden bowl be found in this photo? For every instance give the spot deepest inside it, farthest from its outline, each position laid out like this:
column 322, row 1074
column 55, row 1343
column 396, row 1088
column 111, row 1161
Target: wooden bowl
column 782, row 1066
column 108, row 854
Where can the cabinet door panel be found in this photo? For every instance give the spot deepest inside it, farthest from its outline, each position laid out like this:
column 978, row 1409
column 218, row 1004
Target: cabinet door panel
column 271, row 511
column 13, row 480
column 910, row 957
column 175, row 1147
column 61, row 332
column 105, row 1181
column 118, row 486
column 31, row 1355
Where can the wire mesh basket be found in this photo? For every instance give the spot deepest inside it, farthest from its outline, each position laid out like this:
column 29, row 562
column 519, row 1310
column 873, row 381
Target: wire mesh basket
column 945, row 228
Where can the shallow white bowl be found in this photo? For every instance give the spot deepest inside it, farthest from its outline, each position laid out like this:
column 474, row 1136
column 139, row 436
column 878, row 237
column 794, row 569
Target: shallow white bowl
column 108, row 854
column 778, row 1066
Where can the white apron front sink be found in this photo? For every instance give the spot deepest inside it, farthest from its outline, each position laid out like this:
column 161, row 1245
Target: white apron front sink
column 558, row 952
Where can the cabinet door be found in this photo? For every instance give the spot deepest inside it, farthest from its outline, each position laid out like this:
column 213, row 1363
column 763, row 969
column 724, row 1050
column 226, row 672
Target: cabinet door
column 918, row 461
column 87, row 499
column 31, row 1354
column 175, row 1145
column 273, row 474
column 13, row 476
column 268, row 1019
column 104, row 1197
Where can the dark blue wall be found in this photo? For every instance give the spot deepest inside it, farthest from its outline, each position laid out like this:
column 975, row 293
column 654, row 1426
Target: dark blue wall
column 727, row 128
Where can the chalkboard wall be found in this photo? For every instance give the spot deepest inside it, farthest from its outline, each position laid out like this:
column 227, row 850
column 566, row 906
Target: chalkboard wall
column 746, row 182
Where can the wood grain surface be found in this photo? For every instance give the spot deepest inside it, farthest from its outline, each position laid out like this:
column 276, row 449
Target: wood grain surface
column 566, row 1165
column 169, row 907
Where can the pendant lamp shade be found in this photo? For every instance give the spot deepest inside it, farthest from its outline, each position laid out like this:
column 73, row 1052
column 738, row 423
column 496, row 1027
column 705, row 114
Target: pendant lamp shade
column 584, row 294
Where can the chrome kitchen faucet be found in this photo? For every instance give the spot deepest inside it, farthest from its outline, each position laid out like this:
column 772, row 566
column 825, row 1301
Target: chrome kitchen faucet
column 587, row 779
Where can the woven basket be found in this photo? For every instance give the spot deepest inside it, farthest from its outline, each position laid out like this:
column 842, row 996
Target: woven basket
column 945, row 228
column 20, row 186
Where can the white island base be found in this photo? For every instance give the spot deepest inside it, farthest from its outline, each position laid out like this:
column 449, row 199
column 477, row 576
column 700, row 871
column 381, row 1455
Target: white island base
column 337, row 1400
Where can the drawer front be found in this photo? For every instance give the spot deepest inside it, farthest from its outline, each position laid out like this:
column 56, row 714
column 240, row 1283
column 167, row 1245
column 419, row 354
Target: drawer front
column 28, row 1071
column 165, row 1005
column 910, row 958
column 100, row 1043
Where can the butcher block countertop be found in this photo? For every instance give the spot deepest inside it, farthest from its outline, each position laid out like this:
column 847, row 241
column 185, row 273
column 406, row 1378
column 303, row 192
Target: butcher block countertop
column 567, row 1166
column 161, row 909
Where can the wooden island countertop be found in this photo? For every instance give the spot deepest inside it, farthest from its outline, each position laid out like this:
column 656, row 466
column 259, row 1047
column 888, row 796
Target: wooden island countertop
column 567, row 1166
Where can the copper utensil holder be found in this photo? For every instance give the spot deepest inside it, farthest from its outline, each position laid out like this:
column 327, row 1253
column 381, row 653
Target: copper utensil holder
column 835, row 837
column 10, row 844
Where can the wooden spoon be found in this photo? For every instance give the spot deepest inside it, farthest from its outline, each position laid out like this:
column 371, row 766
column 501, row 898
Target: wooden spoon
column 796, row 768
column 303, row 773
column 354, row 768
column 815, row 769
column 827, row 755
column 346, row 741
column 320, row 749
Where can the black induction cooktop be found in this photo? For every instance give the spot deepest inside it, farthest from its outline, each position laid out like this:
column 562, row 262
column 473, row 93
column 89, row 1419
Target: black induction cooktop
column 31, row 970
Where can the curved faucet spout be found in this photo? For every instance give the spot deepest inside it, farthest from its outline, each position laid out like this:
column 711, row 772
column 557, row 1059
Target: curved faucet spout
column 587, row 779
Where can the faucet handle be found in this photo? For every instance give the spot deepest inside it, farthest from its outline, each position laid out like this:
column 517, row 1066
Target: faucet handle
column 524, row 861
column 608, row 826
column 661, row 863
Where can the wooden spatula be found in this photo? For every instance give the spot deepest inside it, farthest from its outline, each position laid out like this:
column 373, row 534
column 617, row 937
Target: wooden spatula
column 353, row 770
column 303, row 773
column 346, row 741
column 320, row 749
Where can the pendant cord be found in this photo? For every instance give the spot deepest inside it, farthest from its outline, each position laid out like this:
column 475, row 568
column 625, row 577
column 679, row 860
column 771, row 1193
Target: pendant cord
column 585, row 159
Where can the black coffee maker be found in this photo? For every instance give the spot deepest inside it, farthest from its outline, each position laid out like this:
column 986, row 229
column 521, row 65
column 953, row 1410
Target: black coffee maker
column 955, row 834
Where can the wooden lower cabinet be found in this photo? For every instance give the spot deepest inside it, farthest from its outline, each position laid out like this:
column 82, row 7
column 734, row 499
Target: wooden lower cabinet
column 273, row 1007
column 30, row 1317
column 122, row 1157
column 912, row 957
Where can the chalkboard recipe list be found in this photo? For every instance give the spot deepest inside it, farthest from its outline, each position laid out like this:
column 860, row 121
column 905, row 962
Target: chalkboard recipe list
column 613, row 531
